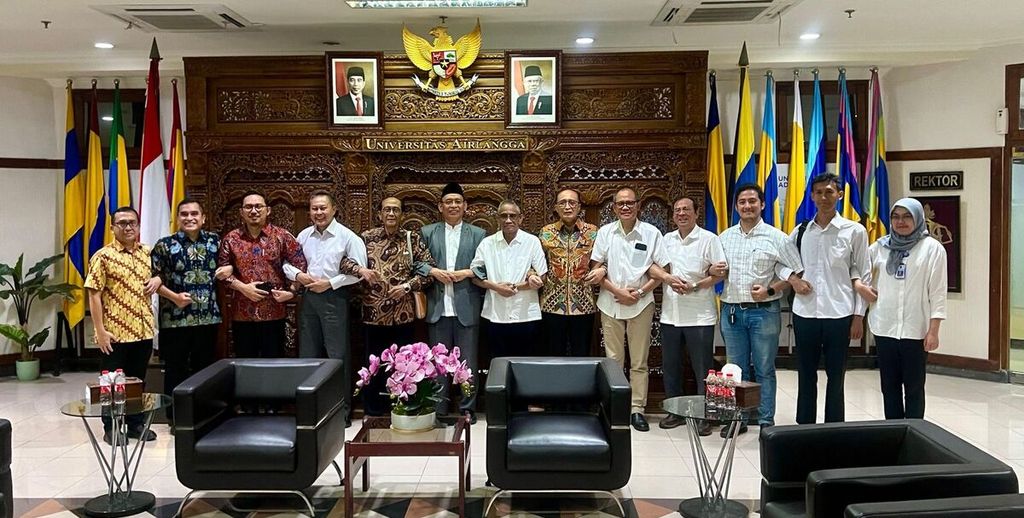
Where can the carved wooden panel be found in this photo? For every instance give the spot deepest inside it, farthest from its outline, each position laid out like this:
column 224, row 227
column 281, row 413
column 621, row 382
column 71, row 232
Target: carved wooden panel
column 480, row 103
column 264, row 104
column 625, row 103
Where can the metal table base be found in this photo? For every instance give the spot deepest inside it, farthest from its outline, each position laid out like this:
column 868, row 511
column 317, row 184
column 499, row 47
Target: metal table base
column 121, row 498
column 714, row 479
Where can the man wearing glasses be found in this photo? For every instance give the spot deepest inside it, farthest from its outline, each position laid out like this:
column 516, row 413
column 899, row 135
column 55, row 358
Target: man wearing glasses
column 257, row 252
column 623, row 252
column 567, row 303
column 510, row 265
column 120, row 285
column 395, row 267
column 454, row 302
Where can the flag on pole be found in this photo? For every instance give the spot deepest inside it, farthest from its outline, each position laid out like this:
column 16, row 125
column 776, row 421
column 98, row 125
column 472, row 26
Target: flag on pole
column 876, row 175
column 797, row 167
column 745, row 170
column 716, row 203
column 119, row 192
column 176, row 175
column 846, row 159
column 74, row 217
column 95, row 198
column 154, row 212
column 767, row 166
column 815, row 153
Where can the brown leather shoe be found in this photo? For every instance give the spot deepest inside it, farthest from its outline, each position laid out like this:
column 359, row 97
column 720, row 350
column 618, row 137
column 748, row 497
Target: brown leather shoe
column 672, row 421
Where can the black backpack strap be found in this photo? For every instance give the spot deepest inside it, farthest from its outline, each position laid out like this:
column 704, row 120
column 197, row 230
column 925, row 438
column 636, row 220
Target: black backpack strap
column 800, row 235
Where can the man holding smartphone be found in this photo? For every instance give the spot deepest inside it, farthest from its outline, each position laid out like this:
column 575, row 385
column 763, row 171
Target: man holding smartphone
column 257, row 252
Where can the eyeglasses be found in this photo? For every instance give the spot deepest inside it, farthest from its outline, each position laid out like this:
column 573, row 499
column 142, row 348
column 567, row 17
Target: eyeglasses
column 567, row 203
column 391, row 210
column 251, row 208
column 508, row 216
column 626, row 204
column 683, row 210
column 127, row 224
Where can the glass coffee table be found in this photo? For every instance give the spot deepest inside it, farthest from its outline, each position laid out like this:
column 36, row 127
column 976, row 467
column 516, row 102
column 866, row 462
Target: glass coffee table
column 121, row 499
column 378, row 439
column 713, row 479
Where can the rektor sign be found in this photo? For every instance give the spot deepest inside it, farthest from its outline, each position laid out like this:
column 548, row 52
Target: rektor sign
column 937, row 181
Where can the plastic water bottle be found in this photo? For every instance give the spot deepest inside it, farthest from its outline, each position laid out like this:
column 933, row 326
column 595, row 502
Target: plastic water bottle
column 119, row 393
column 709, row 389
column 730, row 392
column 105, row 388
column 719, row 389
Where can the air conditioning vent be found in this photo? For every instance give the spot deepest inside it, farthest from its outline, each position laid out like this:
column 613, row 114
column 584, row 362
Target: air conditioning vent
column 720, row 12
column 179, row 18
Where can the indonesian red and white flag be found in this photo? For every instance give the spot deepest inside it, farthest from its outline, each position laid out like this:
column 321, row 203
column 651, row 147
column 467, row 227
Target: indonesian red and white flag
column 154, row 209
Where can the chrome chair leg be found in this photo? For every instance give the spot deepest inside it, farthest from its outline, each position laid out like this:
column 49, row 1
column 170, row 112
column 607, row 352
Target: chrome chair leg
column 494, row 497
column 184, row 501
column 341, row 478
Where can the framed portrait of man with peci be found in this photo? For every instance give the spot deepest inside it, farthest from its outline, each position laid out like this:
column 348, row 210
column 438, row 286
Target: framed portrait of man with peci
column 353, row 89
column 532, row 87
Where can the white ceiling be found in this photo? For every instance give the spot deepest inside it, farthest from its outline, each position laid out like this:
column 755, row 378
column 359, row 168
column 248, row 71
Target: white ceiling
column 881, row 32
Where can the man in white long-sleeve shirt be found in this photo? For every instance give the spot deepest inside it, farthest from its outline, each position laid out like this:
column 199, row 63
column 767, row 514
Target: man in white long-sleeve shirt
column 323, row 318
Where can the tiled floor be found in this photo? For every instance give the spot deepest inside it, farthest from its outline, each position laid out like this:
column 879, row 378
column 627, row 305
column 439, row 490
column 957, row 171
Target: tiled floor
column 53, row 458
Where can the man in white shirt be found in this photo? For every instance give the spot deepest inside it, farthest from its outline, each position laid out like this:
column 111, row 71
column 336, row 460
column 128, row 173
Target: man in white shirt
column 323, row 317
column 688, row 308
column 834, row 253
column 510, row 265
column 623, row 253
column 750, row 319
column 453, row 301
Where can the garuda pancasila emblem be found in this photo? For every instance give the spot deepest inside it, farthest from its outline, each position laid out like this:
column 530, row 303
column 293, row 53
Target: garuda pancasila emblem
column 444, row 60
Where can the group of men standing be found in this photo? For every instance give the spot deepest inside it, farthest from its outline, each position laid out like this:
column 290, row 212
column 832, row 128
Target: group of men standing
column 525, row 286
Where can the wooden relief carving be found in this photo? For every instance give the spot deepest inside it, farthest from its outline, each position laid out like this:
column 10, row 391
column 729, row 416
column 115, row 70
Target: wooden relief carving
column 644, row 103
column 408, row 104
column 271, row 104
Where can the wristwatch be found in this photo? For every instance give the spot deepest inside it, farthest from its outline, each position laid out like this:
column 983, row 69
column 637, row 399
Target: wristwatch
column 771, row 291
column 640, row 292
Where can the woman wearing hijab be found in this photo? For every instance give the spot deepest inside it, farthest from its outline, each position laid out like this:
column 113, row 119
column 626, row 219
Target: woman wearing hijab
column 908, row 296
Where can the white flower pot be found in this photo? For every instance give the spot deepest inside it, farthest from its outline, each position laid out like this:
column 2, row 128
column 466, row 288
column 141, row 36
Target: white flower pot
column 412, row 423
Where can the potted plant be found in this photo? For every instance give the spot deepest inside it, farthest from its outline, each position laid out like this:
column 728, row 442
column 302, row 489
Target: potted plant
column 416, row 380
column 25, row 290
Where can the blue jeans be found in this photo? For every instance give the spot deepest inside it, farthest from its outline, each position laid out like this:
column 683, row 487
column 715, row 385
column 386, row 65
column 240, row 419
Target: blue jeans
column 752, row 337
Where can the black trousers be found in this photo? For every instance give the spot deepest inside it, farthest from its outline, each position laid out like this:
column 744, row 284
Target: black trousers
column 450, row 332
column 185, row 351
column 375, row 399
column 518, row 339
column 699, row 342
column 901, row 366
column 815, row 336
column 568, row 335
column 133, row 358
column 258, row 339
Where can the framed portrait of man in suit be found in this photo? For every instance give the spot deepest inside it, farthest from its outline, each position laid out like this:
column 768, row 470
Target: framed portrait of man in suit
column 532, row 87
column 353, row 89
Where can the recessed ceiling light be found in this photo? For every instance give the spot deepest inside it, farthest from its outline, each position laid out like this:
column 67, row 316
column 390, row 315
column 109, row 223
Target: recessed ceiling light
column 584, row 40
column 103, row 45
column 330, row 43
column 810, row 36
column 427, row 4
column 107, row 118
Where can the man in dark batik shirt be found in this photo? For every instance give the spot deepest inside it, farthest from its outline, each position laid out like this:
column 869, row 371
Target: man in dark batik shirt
column 186, row 262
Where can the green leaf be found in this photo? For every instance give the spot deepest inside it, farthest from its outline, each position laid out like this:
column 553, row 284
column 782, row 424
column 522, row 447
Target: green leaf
column 6, row 270
column 38, row 339
column 17, row 270
column 15, row 334
column 44, row 264
column 4, row 295
column 64, row 290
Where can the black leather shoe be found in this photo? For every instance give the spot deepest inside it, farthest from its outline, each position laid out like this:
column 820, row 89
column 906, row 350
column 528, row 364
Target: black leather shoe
column 639, row 423
column 108, row 438
column 348, row 421
column 136, row 433
column 472, row 416
column 725, row 430
column 672, row 421
column 703, row 428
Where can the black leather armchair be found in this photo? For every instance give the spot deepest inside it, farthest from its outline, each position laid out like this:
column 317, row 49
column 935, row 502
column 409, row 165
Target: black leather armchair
column 581, row 442
column 818, row 470
column 220, row 450
column 991, row 506
column 6, row 493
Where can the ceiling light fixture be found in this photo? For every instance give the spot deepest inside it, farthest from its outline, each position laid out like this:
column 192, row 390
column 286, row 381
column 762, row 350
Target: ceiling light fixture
column 584, row 40
column 428, row 4
column 808, row 36
column 107, row 118
column 103, row 45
